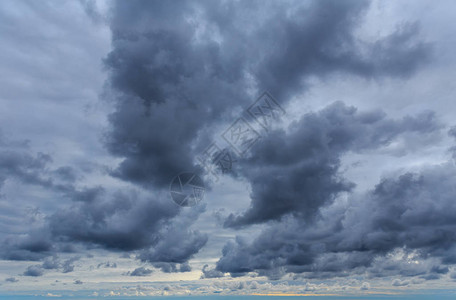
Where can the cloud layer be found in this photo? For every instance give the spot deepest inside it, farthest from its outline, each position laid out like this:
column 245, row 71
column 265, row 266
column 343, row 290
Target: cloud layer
column 177, row 74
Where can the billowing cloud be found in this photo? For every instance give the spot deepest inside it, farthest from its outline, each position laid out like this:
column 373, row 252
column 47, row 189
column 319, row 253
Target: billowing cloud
column 173, row 81
column 297, row 171
column 404, row 226
column 210, row 273
column 111, row 220
column 35, row 271
column 125, row 222
column 141, row 271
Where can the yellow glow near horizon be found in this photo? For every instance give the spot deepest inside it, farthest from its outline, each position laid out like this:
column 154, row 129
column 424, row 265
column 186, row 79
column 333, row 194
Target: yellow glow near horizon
column 291, row 294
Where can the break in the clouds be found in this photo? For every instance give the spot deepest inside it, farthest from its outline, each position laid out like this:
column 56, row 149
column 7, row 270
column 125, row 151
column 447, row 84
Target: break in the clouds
column 171, row 78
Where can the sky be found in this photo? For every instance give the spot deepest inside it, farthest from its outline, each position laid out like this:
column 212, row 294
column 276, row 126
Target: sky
column 227, row 148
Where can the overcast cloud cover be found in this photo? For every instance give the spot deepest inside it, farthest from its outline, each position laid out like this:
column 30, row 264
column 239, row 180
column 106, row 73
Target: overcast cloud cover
column 351, row 191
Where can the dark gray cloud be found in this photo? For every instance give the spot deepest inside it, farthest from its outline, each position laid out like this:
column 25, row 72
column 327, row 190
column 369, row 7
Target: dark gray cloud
column 177, row 69
column 96, row 217
column 19, row 162
column 179, row 244
column 129, row 222
column 95, row 221
column 51, row 263
column 68, row 265
column 185, row 267
column 412, row 213
column 144, row 223
column 172, row 267
column 67, row 174
column 34, row 271
column 141, row 271
column 398, row 282
column 107, row 265
column 11, row 279
column 35, row 245
column 297, row 171
column 210, row 273
column 119, row 221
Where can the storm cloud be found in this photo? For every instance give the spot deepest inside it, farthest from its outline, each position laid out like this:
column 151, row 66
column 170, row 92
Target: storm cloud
column 297, row 189
column 404, row 218
column 112, row 220
column 173, row 81
column 297, row 171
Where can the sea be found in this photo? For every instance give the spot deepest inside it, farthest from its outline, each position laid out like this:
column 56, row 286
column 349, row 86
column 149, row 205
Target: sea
column 430, row 296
